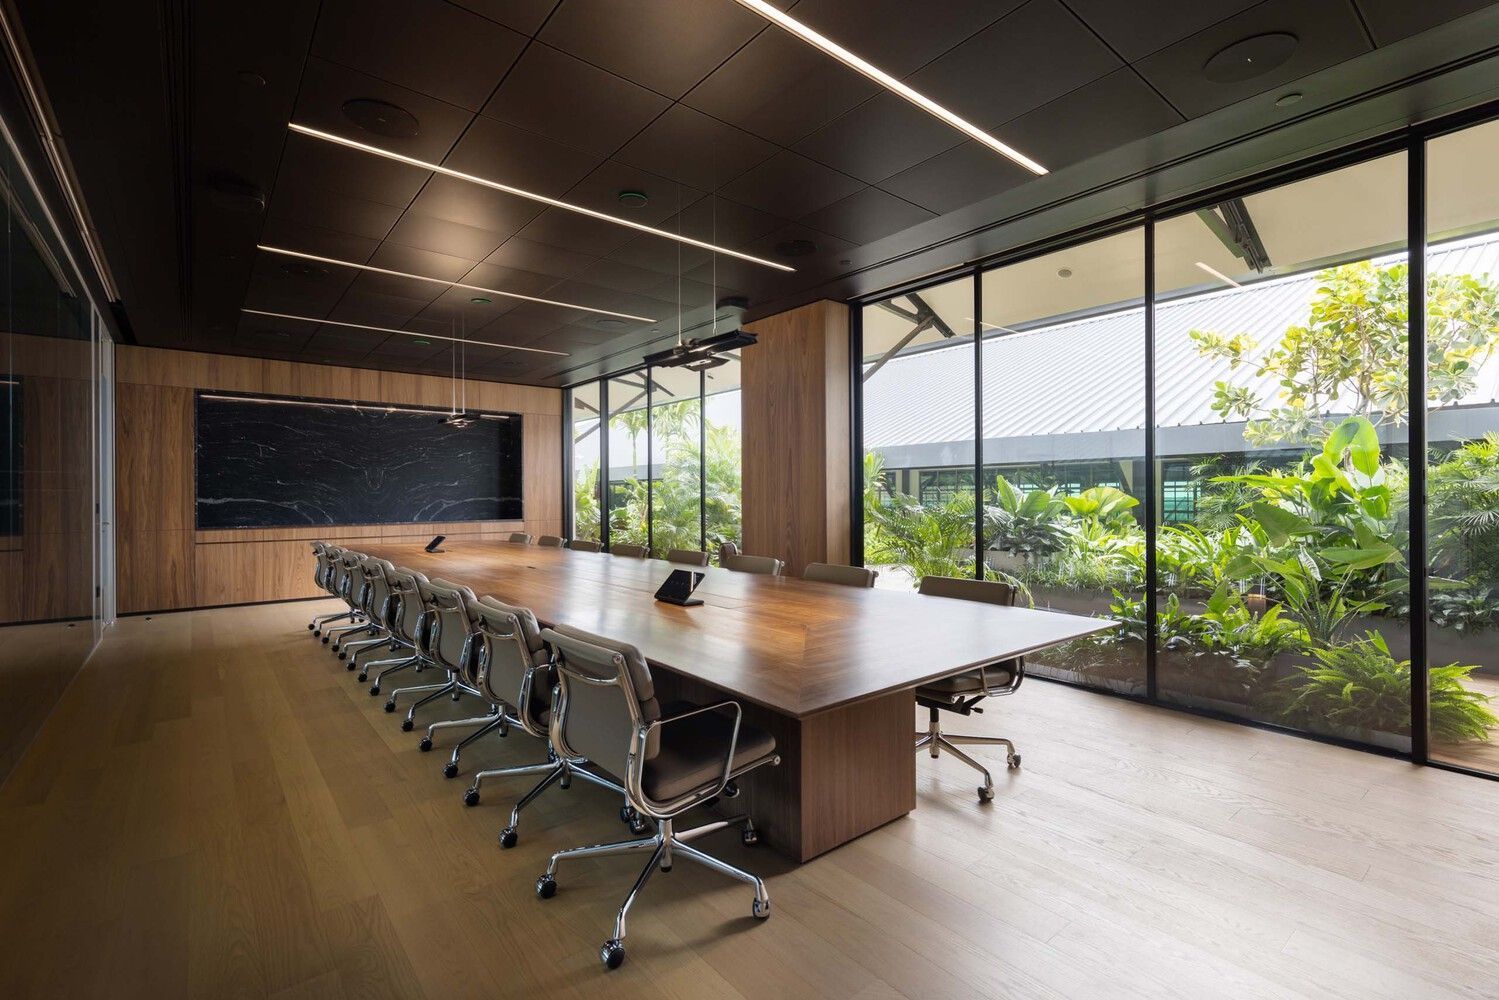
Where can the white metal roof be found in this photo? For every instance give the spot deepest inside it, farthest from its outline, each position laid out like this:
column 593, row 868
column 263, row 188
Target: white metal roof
column 1087, row 376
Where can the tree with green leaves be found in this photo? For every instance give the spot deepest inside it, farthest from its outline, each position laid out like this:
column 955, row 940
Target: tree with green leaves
column 1350, row 355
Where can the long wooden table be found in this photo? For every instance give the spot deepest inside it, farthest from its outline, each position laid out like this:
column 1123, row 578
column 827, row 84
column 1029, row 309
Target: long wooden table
column 829, row 670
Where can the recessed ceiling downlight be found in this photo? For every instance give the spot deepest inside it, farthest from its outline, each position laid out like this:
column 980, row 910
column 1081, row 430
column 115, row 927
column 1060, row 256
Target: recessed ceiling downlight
column 633, row 199
column 382, row 118
column 1250, row 57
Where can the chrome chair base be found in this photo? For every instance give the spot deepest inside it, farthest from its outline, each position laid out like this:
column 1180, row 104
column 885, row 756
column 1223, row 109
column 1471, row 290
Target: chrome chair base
column 391, row 666
column 495, row 720
column 934, row 740
column 556, row 771
column 665, row 846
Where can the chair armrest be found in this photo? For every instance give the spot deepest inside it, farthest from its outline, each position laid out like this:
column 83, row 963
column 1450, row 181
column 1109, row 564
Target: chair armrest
column 728, row 761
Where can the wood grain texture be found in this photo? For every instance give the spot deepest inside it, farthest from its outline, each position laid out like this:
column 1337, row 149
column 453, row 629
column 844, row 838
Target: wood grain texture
column 796, row 436
column 235, row 817
column 155, row 475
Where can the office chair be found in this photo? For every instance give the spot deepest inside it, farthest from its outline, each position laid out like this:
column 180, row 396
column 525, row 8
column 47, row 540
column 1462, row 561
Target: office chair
column 442, row 611
column 961, row 693
column 583, row 545
column 549, row 542
column 629, row 551
column 847, row 576
column 377, row 606
column 687, row 557
column 519, row 538
column 764, row 565
column 605, row 710
column 727, row 549
column 348, row 578
column 446, row 636
column 404, row 619
column 512, row 667
column 323, row 575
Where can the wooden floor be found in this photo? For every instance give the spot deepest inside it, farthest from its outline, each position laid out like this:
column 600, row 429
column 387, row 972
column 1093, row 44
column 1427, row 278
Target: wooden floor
column 216, row 809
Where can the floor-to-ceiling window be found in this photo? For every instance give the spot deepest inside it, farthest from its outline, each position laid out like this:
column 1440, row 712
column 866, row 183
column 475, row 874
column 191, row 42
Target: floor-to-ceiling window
column 1063, row 406
column 1462, row 433
column 672, row 451
column 918, row 421
column 587, row 484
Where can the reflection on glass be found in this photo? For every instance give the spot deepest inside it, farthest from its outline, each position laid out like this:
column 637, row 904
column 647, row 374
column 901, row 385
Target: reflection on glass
column 722, row 489
column 1280, row 436
column 919, row 516
column 587, row 486
column 1064, row 445
column 676, row 460
column 628, row 489
column 1462, row 518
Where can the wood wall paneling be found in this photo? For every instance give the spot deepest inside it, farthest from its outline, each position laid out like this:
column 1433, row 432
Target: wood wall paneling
column 796, row 436
column 164, row 563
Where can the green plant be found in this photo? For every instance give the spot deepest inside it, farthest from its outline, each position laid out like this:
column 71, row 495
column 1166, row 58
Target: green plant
column 1360, row 686
column 586, row 502
column 1464, row 510
column 1025, row 523
column 1350, row 355
column 1465, row 608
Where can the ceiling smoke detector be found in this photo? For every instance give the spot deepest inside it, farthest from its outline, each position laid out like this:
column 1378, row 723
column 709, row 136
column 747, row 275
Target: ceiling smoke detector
column 382, row 118
column 1250, row 57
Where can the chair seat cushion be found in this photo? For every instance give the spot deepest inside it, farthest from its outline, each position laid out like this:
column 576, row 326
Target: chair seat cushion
column 692, row 752
column 969, row 682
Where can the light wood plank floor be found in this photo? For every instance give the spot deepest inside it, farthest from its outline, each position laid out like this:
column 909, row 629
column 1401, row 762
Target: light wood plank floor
column 217, row 809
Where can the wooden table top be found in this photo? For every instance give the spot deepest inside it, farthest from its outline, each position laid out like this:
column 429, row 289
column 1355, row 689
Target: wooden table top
column 794, row 646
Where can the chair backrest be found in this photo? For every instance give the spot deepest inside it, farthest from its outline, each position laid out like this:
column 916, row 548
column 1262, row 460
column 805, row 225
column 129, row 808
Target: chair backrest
column 987, row 591
column 584, row 545
column 509, row 661
column 406, row 587
column 629, row 551
column 687, row 557
column 334, row 556
column 519, row 538
column 550, row 541
column 765, row 565
column 443, row 643
column 728, row 549
column 351, row 578
column 320, row 564
column 377, row 589
column 847, row 576
column 605, row 694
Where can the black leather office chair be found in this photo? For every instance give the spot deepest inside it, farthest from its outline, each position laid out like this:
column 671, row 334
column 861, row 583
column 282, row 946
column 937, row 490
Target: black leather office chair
column 669, row 760
column 962, row 692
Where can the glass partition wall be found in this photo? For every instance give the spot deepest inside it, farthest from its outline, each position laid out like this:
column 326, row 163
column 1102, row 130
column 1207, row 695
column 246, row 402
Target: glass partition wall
column 670, row 454
column 1210, row 428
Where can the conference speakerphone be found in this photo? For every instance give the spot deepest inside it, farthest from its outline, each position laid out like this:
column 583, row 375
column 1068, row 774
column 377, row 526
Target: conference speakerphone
column 678, row 588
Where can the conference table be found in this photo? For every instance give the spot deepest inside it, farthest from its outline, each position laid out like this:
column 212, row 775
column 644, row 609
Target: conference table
column 829, row 670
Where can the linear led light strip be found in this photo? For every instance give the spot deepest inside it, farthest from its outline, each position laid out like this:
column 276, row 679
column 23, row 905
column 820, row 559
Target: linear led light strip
column 443, row 281
column 404, row 333
column 531, row 195
column 347, row 406
column 889, row 82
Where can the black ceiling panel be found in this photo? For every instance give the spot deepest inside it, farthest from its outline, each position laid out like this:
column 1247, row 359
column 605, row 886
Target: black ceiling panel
column 510, row 279
column 901, row 36
column 1100, row 116
column 563, row 98
column 601, row 191
column 696, row 149
column 292, row 233
column 722, row 222
column 461, row 58
column 789, row 184
column 965, row 174
column 441, row 236
column 867, row 216
column 1392, row 20
column 1328, row 32
column 1033, row 55
column 661, row 256
column 327, row 86
column 881, row 137
column 312, row 164
column 524, row 16
column 512, row 156
column 418, row 261
column 666, row 45
column 578, row 233
column 542, row 258
column 473, row 205
column 1134, row 32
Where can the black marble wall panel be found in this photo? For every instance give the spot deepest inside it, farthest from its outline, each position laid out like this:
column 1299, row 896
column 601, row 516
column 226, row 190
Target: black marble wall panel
column 268, row 462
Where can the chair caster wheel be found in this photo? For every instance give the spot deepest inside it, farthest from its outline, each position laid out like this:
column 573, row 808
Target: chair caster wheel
column 749, row 836
column 363, row 676
column 390, row 706
column 508, row 837
column 565, row 782
column 612, row 954
column 626, row 814
column 1013, row 761
column 425, row 744
column 407, row 725
column 760, row 910
column 375, row 692
column 546, row 887
column 986, row 794
column 344, row 656
column 639, row 827
column 451, row 770
column 311, row 627
column 325, row 640
column 665, row 869
column 471, row 797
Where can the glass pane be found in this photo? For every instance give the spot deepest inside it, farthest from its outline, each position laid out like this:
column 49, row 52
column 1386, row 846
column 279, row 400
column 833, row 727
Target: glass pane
column 1064, row 446
column 676, row 460
column 587, row 491
column 1281, row 437
column 918, row 434
column 628, row 492
column 1462, row 517
column 721, row 459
